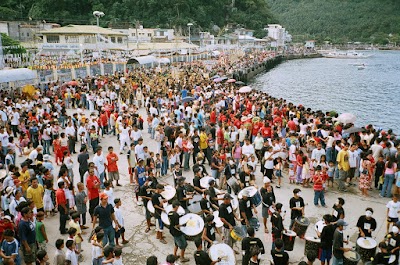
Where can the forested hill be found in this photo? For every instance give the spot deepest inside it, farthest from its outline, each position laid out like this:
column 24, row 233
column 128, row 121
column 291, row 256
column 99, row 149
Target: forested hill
column 204, row 14
column 339, row 20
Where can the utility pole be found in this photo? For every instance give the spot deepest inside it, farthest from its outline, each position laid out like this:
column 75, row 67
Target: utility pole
column 1, row 53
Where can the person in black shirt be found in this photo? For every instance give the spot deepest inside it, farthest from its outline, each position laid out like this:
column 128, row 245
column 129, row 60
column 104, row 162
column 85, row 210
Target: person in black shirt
column 383, row 256
column 338, row 211
column 279, row 255
column 174, row 229
column 245, row 206
column 231, row 172
column 268, row 199
column 196, row 181
column 196, row 145
column 205, row 204
column 199, row 166
column 213, row 193
column 145, row 194
column 277, row 224
column 393, row 242
column 245, row 177
column 366, row 223
column 248, row 243
column 326, row 240
column 297, row 206
column 227, row 215
column 181, row 193
column 158, row 202
column 200, row 256
column 338, row 248
column 209, row 231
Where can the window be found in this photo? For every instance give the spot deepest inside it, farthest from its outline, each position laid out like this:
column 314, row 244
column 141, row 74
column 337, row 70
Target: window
column 133, row 34
column 72, row 39
column 89, row 39
column 113, row 39
column 119, row 39
column 148, row 34
column 53, row 39
column 27, row 34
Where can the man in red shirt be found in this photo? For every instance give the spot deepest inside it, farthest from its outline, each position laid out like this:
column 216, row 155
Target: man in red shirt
column 93, row 187
column 213, row 116
column 266, row 131
column 104, row 123
column 112, row 166
column 61, row 201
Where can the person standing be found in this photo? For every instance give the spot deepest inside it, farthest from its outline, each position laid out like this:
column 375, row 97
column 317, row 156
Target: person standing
column 100, row 164
column 83, row 159
column 279, row 255
column 27, row 236
column 112, row 166
column 296, row 206
column 200, row 256
column 35, row 193
column 245, row 208
column 326, row 240
column 131, row 157
column 228, row 216
column 268, row 200
column 338, row 240
column 174, row 229
column 248, row 243
column 105, row 213
column 343, row 166
column 393, row 210
column 61, row 201
column 93, row 188
column 158, row 203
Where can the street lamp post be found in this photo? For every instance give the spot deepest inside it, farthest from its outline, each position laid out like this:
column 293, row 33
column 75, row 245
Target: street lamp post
column 189, row 25
column 98, row 15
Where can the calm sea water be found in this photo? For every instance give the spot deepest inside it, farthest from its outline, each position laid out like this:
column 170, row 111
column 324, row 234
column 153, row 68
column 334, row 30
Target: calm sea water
column 372, row 94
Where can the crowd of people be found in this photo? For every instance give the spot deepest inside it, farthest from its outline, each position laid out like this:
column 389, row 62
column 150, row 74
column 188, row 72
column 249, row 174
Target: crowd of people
column 193, row 120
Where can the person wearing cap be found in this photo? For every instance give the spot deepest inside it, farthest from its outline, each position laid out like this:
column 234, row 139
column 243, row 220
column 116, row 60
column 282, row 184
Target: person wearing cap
column 174, row 229
column 248, row 243
column 338, row 243
column 393, row 242
column 366, row 223
column 158, row 203
column 104, row 212
column 326, row 239
column 245, row 208
column 228, row 216
column 268, row 200
column 201, row 257
column 297, row 206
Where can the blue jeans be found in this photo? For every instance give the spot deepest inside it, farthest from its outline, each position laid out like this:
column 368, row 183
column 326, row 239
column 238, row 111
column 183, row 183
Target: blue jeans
column 387, row 185
column 109, row 236
column 319, row 195
column 337, row 261
column 186, row 159
column 329, row 154
column 164, row 165
column 46, row 146
column 102, row 179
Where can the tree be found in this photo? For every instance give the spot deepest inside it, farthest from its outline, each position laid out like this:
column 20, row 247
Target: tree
column 11, row 46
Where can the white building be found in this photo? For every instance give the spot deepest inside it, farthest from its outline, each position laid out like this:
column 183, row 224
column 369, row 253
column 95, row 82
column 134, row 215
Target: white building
column 279, row 34
column 143, row 35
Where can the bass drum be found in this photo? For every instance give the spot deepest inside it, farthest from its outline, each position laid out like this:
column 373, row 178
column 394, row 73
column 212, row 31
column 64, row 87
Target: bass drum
column 233, row 183
column 204, row 182
column 300, row 226
column 224, row 252
column 254, row 195
column 194, row 225
column 288, row 239
column 217, row 220
column 351, row 258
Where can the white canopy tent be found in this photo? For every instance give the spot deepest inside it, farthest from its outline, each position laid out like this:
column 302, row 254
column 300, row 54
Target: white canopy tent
column 143, row 60
column 16, row 75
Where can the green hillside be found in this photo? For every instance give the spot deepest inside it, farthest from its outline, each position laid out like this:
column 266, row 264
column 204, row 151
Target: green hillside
column 339, row 21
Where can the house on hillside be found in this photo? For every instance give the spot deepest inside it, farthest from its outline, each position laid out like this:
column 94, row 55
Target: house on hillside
column 279, row 35
column 310, row 44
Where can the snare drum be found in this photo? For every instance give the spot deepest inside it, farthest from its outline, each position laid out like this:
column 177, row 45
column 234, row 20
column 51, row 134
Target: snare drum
column 237, row 233
column 168, row 208
column 288, row 239
column 224, row 252
column 233, row 183
column 300, row 226
column 194, row 225
column 366, row 247
column 217, row 220
column 351, row 258
column 253, row 221
column 204, row 182
column 319, row 226
column 168, row 193
column 194, row 204
column 254, row 194
column 312, row 245
column 150, row 208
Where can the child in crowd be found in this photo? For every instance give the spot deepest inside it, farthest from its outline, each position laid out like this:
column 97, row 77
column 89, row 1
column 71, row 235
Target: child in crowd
column 42, row 257
column 59, row 257
column 41, row 235
column 177, row 172
column 118, row 256
column 109, row 191
column 75, row 223
column 9, row 246
column 120, row 230
column 331, row 171
column 97, row 249
column 158, row 163
column 71, row 256
column 81, row 204
column 278, row 170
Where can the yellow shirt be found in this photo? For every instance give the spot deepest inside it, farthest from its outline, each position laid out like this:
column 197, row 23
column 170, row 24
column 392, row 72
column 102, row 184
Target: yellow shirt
column 203, row 141
column 23, row 177
column 78, row 231
column 36, row 195
column 343, row 160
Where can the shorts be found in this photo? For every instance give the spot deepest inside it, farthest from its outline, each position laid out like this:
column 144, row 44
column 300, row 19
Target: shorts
column 325, row 254
column 180, row 241
column 264, row 212
column 113, row 175
column 392, row 220
column 278, row 173
column 29, row 257
column 119, row 232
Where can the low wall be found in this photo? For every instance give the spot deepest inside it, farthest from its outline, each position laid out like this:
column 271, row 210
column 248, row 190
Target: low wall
column 245, row 75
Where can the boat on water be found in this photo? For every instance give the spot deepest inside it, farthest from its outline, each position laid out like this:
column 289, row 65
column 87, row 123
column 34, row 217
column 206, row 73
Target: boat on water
column 345, row 54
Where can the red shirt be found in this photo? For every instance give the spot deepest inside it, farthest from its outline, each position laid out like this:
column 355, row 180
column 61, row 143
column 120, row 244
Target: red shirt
column 220, row 136
column 91, row 182
column 266, row 132
column 292, row 125
column 238, row 123
column 318, row 181
column 112, row 165
column 256, row 128
column 60, row 197
column 213, row 117
column 103, row 119
column 299, row 160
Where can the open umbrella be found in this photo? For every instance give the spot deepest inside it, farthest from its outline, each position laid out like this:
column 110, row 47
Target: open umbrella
column 72, row 83
column 239, row 83
column 215, row 76
column 245, row 89
column 217, row 80
column 224, row 78
column 346, row 118
column 354, row 130
column 231, row 80
column 187, row 99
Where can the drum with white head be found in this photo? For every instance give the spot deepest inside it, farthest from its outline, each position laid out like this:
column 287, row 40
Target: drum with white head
column 224, row 252
column 204, row 182
column 168, row 193
column 194, row 225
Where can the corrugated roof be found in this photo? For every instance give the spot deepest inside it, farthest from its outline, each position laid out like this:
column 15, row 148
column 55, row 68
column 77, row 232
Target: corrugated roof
column 20, row 74
column 163, row 46
column 82, row 29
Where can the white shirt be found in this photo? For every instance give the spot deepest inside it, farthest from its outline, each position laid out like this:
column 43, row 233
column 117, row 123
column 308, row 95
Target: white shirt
column 136, row 135
column 119, row 216
column 99, row 161
column 316, row 154
column 4, row 139
column 118, row 261
column 353, row 158
column 269, row 164
column 139, row 151
column 71, row 256
column 248, row 149
column 15, row 118
column 394, row 208
column 242, row 134
column 70, row 131
column 33, row 155
column 110, row 194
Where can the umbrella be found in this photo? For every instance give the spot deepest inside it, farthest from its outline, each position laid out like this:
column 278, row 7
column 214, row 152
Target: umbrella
column 231, row 80
column 72, row 83
column 187, row 99
column 217, row 80
column 239, row 83
column 346, row 118
column 245, row 89
column 215, row 76
column 224, row 78
column 354, row 130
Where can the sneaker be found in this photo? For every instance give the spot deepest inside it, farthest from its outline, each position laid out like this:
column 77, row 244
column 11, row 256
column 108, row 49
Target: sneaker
column 185, row 259
column 278, row 187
